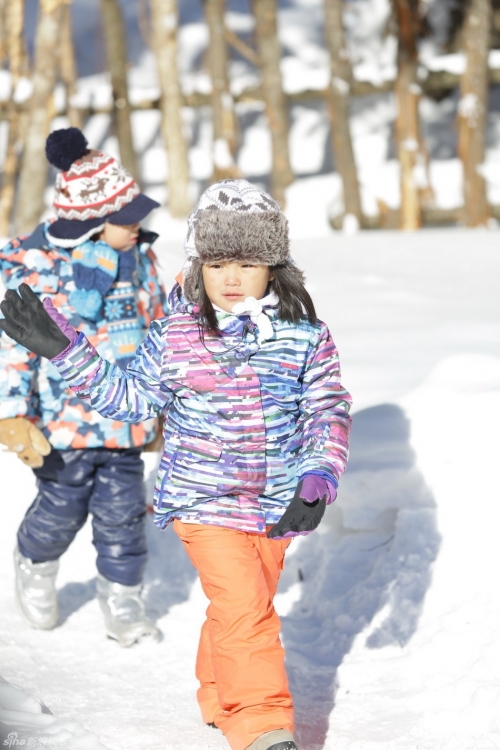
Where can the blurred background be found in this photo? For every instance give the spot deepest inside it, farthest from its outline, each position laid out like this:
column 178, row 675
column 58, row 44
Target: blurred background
column 352, row 113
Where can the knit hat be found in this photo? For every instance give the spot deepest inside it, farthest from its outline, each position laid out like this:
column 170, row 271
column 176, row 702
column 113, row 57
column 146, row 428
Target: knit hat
column 93, row 188
column 235, row 220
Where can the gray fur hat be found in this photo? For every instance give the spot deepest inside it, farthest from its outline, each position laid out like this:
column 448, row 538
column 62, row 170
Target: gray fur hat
column 234, row 220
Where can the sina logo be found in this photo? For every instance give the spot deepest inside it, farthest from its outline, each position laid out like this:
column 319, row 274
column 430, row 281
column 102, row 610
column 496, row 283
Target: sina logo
column 13, row 740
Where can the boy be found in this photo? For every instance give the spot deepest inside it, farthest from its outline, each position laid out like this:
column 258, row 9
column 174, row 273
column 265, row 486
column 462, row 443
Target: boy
column 96, row 264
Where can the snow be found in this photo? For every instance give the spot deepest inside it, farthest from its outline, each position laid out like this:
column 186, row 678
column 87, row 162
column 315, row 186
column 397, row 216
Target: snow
column 390, row 614
column 390, row 611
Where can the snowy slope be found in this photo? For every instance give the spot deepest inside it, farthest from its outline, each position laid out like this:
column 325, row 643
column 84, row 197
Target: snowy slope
column 390, row 612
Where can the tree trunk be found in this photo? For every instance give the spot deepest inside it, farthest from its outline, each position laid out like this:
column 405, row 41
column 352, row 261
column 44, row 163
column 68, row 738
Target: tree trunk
column 67, row 65
column 338, row 98
column 269, row 51
column 224, row 121
column 34, row 167
column 473, row 111
column 3, row 31
column 14, row 48
column 164, row 26
column 114, row 34
column 411, row 158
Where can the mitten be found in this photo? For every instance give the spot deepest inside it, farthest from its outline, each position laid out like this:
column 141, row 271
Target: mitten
column 306, row 509
column 38, row 327
column 22, row 437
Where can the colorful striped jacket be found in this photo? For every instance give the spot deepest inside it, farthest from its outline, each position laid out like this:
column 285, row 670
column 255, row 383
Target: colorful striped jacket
column 243, row 421
column 31, row 386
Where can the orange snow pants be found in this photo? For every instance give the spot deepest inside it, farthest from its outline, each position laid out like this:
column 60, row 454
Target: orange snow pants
column 241, row 662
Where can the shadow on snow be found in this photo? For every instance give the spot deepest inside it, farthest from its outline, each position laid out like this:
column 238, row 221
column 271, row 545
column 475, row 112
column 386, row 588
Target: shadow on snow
column 373, row 556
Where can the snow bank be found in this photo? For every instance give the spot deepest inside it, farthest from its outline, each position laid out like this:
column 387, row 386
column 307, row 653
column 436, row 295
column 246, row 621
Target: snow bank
column 26, row 721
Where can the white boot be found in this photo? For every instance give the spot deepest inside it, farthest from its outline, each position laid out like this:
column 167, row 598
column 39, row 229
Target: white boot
column 124, row 612
column 36, row 591
column 276, row 739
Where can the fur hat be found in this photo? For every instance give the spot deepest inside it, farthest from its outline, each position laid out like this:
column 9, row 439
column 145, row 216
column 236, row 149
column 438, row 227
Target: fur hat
column 234, row 220
column 93, row 188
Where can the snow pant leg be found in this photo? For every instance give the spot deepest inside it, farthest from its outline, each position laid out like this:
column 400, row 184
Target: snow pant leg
column 239, row 573
column 207, row 693
column 65, row 484
column 118, row 507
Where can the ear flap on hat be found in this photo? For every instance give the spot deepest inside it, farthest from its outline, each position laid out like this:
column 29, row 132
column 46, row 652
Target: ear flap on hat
column 190, row 276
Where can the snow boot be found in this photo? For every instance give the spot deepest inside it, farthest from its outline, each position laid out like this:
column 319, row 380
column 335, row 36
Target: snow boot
column 124, row 612
column 36, row 591
column 277, row 739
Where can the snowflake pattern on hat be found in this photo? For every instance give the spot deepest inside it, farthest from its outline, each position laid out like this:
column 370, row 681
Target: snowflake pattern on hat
column 228, row 195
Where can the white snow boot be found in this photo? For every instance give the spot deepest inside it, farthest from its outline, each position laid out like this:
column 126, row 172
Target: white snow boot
column 277, row 739
column 36, row 591
column 124, row 612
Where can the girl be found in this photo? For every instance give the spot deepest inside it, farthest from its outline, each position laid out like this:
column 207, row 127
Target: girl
column 255, row 436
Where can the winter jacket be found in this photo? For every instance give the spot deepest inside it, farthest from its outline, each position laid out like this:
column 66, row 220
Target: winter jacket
column 31, row 386
column 243, row 421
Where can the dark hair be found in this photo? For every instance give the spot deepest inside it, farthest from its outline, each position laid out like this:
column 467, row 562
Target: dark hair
column 295, row 303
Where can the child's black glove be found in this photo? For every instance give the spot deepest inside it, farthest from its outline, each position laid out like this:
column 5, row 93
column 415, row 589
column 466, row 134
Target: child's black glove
column 306, row 509
column 28, row 323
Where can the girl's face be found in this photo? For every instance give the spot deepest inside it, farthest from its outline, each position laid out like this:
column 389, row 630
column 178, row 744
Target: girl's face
column 229, row 282
column 120, row 236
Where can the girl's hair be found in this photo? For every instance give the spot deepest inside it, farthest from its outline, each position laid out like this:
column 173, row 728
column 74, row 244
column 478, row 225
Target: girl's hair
column 294, row 301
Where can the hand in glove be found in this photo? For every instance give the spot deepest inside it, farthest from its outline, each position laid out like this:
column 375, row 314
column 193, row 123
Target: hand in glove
column 36, row 325
column 22, row 437
column 306, row 509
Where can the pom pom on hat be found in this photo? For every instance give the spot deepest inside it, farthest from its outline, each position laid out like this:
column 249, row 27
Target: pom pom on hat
column 65, row 146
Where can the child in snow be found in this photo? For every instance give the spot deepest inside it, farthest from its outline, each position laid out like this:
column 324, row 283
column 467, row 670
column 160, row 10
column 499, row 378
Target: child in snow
column 255, row 436
column 97, row 267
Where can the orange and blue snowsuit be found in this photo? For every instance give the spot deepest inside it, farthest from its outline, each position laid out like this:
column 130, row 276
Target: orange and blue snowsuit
column 95, row 464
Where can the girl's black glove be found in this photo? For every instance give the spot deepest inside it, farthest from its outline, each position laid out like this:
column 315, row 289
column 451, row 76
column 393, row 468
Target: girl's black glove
column 305, row 511
column 28, row 323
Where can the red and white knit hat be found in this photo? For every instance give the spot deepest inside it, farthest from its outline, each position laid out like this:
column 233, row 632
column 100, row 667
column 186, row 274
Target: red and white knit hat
column 93, row 188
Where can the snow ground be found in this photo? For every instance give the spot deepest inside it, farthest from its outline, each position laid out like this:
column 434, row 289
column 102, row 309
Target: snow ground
column 390, row 611
column 390, row 614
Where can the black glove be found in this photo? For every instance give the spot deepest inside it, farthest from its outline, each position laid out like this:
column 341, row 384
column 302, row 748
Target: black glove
column 27, row 322
column 300, row 515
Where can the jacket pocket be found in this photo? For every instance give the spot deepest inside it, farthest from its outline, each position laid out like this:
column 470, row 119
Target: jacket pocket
column 194, row 449
column 193, row 469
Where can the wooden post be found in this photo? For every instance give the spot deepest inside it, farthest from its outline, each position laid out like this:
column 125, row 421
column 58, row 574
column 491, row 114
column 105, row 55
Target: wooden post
column 411, row 158
column 338, row 99
column 473, row 111
column 269, row 52
column 67, row 66
column 164, row 14
column 13, row 17
column 114, row 34
column 34, row 169
column 224, row 121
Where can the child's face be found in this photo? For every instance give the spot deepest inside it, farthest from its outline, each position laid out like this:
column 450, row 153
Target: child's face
column 229, row 282
column 120, row 236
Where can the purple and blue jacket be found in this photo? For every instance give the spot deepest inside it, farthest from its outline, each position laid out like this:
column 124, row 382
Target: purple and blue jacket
column 243, row 420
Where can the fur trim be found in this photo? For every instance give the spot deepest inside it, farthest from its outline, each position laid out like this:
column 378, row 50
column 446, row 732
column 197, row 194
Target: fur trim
column 258, row 237
column 190, row 276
